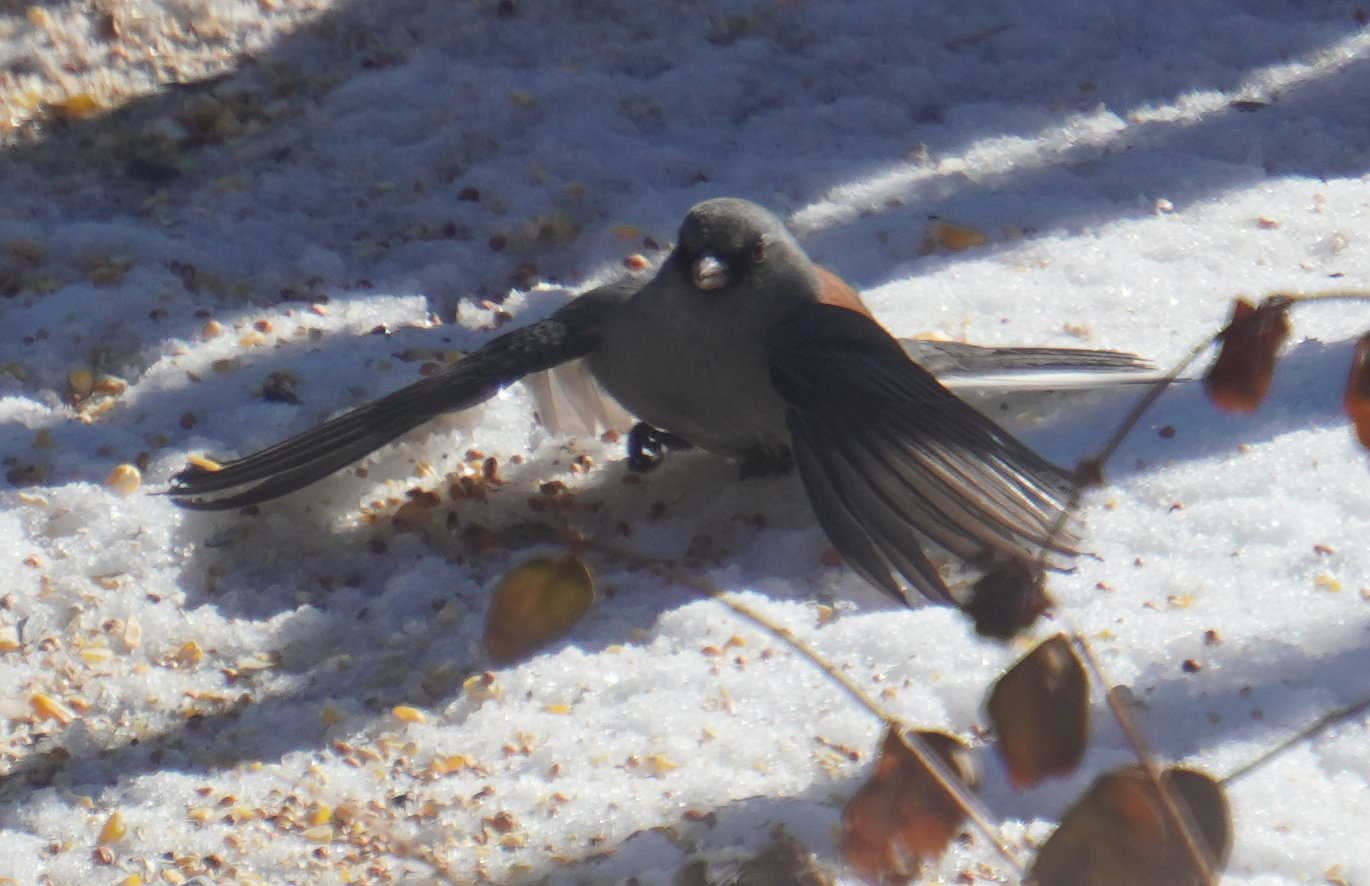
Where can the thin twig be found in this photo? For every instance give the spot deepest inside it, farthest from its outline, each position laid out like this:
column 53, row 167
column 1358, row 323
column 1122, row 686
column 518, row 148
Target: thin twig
column 1092, row 470
column 1178, row 812
column 1322, row 723
column 946, row 779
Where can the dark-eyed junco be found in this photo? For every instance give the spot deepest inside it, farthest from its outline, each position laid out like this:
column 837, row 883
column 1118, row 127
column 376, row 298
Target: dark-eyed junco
column 741, row 346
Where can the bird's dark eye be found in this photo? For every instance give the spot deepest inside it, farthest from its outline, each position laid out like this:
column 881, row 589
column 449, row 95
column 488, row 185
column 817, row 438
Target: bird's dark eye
column 759, row 252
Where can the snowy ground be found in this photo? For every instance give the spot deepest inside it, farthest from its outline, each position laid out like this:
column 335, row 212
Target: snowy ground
column 209, row 199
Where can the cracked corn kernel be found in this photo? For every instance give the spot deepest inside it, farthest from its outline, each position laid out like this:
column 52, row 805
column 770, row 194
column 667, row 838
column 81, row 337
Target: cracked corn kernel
column 448, row 765
column 79, row 106
column 92, row 655
column 661, row 763
column 113, row 831
column 82, row 382
column 1326, row 582
column 110, row 385
column 189, row 653
column 124, row 479
column 133, row 633
column 481, row 687
column 48, row 708
column 204, row 464
column 952, row 236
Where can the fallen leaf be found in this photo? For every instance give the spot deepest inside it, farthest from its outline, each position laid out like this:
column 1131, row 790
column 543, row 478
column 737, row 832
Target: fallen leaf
column 1040, row 713
column 1240, row 377
column 1357, row 399
column 538, row 602
column 903, row 815
column 949, row 236
column 1120, row 833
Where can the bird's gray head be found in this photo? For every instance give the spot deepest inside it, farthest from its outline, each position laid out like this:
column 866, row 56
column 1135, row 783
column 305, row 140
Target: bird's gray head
column 729, row 243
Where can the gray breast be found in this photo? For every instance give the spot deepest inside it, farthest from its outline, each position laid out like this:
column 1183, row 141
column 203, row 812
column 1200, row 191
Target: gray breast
column 681, row 369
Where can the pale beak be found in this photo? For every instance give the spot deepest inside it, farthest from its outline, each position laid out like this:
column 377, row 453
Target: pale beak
column 709, row 273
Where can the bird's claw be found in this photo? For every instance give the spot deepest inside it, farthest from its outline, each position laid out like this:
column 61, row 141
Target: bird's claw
column 647, row 447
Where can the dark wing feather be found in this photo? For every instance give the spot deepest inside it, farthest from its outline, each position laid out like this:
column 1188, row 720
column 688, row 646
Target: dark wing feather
column 890, row 458
column 868, row 530
column 571, row 332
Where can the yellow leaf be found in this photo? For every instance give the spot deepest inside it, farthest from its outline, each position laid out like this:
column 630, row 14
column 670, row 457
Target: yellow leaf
column 535, row 604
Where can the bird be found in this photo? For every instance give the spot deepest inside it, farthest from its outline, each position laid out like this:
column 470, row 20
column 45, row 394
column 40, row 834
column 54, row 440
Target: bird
column 741, row 346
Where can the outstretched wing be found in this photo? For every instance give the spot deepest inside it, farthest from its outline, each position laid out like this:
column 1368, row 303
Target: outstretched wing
column 890, row 458
column 571, row 332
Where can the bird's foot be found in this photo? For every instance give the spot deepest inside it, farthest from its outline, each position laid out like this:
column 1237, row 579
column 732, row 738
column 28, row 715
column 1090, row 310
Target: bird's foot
column 647, row 446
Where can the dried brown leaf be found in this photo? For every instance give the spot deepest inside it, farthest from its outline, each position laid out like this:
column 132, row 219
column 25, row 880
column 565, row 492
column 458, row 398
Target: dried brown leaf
column 1240, row 377
column 1121, row 834
column 1040, row 713
column 903, row 815
column 1357, row 399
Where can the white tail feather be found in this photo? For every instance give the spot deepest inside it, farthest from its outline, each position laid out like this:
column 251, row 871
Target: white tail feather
column 570, row 402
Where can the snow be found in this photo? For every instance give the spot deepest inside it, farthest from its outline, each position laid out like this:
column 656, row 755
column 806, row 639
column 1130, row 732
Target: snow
column 332, row 192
